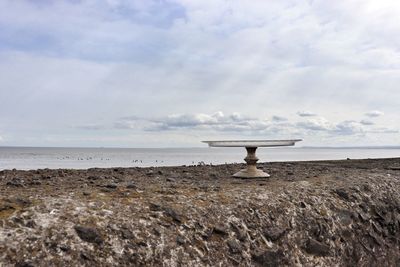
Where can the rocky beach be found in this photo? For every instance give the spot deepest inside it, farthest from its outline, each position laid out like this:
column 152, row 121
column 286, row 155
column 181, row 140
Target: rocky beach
column 310, row 213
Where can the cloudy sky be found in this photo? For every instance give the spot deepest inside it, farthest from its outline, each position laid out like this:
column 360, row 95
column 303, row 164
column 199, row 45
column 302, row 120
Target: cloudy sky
column 171, row 73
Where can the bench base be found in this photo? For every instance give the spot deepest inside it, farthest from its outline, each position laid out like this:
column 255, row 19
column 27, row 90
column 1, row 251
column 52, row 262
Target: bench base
column 246, row 173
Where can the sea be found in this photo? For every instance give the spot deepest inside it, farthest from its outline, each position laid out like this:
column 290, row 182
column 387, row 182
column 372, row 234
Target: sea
column 26, row 158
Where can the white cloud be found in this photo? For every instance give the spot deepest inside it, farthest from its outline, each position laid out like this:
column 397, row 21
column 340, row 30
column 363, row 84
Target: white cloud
column 199, row 121
column 90, row 127
column 349, row 128
column 384, row 130
column 306, row 114
column 374, row 113
column 367, row 122
column 279, row 118
column 316, row 124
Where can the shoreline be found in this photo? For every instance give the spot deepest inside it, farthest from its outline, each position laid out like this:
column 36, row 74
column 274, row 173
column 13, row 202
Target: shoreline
column 329, row 212
column 261, row 163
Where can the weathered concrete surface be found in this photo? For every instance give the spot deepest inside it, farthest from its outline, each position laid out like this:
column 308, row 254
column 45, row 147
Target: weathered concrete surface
column 327, row 213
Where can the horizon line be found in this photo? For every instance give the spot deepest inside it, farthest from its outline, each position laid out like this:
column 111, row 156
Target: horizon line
column 188, row 147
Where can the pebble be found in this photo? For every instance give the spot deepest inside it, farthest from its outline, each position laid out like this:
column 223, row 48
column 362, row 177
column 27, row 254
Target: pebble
column 64, row 247
column 342, row 193
column 317, row 248
column 269, row 258
column 5, row 207
column 127, row 234
column 30, row 224
column 111, row 185
column 89, row 234
column 180, row 240
column 131, row 185
column 234, row 246
column 15, row 183
column 274, row 233
column 24, row 264
column 220, row 229
column 173, row 214
column 92, row 177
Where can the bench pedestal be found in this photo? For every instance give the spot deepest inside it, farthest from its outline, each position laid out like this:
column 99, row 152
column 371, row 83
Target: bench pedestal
column 251, row 170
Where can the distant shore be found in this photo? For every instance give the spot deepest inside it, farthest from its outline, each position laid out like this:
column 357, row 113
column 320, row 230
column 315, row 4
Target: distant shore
column 308, row 213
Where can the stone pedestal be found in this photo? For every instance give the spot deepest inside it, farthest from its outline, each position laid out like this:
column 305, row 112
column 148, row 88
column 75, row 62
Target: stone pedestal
column 251, row 170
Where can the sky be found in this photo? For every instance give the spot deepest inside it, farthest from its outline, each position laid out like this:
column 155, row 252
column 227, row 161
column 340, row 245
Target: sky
column 148, row 73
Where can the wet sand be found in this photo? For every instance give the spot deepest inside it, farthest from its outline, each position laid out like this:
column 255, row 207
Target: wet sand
column 306, row 213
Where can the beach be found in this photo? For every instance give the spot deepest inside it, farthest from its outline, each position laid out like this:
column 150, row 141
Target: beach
column 308, row 213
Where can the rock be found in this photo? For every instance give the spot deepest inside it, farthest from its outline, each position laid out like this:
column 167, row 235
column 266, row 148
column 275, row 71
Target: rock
column 342, row 193
column 131, row 185
column 111, row 185
column 127, row 234
column 86, row 256
column 180, row 240
column 302, row 205
column 15, row 183
column 23, row 202
column 149, row 172
column 220, row 229
column 274, row 233
column 317, row 248
column 240, row 233
column 30, row 224
column 378, row 240
column 234, row 246
column 173, row 214
column 89, row 234
column 363, row 216
column 204, row 188
column 93, row 178
column 35, row 182
column 394, row 168
column 157, row 231
column 345, row 216
column 106, row 190
column 24, row 264
column 119, row 170
column 269, row 258
column 155, row 207
column 17, row 220
column 170, row 180
column 376, row 227
column 6, row 207
column 64, row 247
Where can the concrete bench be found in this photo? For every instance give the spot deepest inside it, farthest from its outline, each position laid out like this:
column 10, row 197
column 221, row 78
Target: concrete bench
column 251, row 146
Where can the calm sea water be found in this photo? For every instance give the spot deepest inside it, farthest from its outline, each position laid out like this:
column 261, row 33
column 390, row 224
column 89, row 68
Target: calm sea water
column 81, row 158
